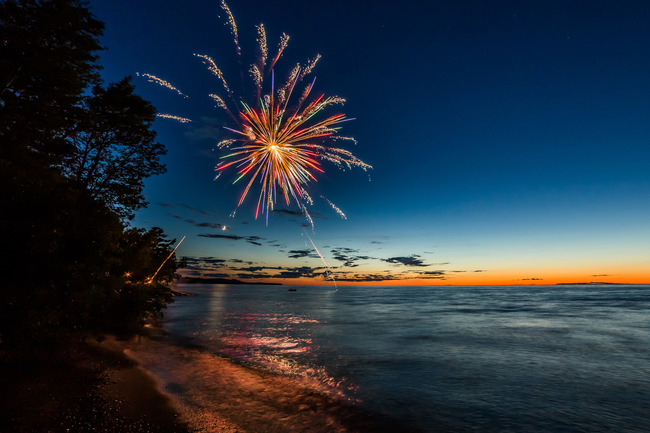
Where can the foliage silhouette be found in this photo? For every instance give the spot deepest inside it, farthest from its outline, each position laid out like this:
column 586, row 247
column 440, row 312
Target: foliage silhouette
column 113, row 147
column 47, row 61
column 73, row 158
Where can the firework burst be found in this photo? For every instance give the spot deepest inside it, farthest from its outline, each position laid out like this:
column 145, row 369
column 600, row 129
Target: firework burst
column 277, row 143
column 281, row 149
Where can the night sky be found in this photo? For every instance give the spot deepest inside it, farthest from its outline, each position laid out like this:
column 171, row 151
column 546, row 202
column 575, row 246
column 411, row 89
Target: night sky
column 510, row 140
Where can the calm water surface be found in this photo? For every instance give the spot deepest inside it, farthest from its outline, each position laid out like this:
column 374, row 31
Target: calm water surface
column 520, row 358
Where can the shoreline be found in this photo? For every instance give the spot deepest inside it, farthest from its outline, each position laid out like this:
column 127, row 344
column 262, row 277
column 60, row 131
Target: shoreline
column 216, row 394
column 148, row 384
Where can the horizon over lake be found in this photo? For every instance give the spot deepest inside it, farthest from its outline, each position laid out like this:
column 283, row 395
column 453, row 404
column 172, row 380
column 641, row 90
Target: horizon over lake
column 437, row 358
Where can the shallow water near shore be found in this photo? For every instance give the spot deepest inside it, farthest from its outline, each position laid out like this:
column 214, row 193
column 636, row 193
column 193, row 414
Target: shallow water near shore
column 517, row 358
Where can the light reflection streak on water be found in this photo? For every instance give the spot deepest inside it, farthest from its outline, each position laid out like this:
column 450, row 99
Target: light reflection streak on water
column 265, row 340
column 278, row 342
column 213, row 394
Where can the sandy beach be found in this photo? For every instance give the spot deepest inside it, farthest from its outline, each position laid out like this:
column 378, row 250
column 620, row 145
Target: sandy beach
column 108, row 385
column 82, row 386
column 241, row 398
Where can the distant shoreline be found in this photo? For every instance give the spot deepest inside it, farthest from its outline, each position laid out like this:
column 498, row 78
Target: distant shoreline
column 593, row 283
column 199, row 280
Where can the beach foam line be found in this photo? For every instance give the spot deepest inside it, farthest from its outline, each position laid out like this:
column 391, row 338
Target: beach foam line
column 142, row 351
column 214, row 394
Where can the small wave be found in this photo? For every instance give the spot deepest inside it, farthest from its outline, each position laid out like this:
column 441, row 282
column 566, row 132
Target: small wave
column 216, row 395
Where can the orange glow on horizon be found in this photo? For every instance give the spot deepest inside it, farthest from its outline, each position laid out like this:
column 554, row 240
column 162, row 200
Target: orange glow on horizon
column 509, row 277
column 460, row 281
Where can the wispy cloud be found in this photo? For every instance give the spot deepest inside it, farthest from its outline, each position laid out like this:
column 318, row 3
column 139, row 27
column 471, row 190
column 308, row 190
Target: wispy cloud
column 236, row 268
column 366, row 277
column 431, row 275
column 178, row 217
column 255, row 240
column 412, row 260
column 287, row 212
column 348, row 256
column 220, row 236
column 215, row 275
column 202, row 264
column 285, row 273
column 211, row 225
column 176, row 205
column 257, row 268
column 298, row 214
column 240, row 261
column 297, row 254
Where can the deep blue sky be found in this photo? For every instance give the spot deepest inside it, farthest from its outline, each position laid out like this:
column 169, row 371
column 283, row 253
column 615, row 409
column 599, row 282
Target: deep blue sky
column 509, row 139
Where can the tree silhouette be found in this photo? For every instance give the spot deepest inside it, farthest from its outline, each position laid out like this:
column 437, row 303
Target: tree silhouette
column 73, row 158
column 47, row 60
column 142, row 252
column 113, row 147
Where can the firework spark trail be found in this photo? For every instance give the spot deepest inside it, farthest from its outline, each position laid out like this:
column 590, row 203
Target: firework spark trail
column 339, row 211
column 150, row 279
column 323, row 260
column 264, row 49
column 212, row 67
column 257, row 76
column 339, row 137
column 309, row 67
column 173, row 117
column 233, row 26
column 219, row 101
column 307, row 216
column 161, row 82
column 284, row 41
column 226, row 143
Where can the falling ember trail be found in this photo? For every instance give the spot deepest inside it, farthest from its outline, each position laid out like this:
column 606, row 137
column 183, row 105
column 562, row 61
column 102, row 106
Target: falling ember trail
column 150, row 279
column 173, row 117
column 161, row 82
column 323, row 259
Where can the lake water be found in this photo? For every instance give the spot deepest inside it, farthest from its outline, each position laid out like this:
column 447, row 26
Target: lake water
column 489, row 359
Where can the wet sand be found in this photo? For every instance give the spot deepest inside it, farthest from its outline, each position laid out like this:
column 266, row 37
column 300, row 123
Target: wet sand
column 214, row 394
column 82, row 387
column 146, row 384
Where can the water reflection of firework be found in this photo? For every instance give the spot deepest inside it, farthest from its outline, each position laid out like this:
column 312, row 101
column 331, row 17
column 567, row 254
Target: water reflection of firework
column 278, row 142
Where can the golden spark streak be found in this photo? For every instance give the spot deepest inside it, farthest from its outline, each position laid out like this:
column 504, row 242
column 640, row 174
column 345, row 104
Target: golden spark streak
column 150, row 279
column 233, row 25
column 212, row 67
column 264, row 49
column 310, row 66
column 161, row 82
column 173, row 117
column 220, row 102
